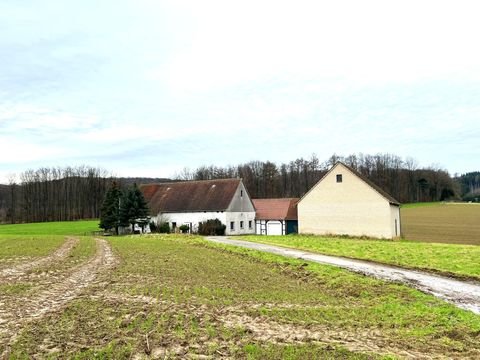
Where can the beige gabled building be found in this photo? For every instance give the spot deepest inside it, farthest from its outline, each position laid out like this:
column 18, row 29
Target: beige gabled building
column 343, row 202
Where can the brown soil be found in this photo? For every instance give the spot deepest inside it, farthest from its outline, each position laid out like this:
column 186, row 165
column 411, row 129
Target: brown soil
column 19, row 270
column 442, row 222
column 59, row 291
column 263, row 329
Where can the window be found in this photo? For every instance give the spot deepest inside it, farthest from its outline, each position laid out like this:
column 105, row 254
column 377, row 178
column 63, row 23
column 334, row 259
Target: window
column 241, row 193
column 241, row 224
column 174, row 225
column 232, row 225
column 339, row 178
column 249, row 224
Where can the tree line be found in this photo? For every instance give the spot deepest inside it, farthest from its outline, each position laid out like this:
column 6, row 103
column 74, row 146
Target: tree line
column 402, row 178
column 54, row 194
column 470, row 186
column 72, row 193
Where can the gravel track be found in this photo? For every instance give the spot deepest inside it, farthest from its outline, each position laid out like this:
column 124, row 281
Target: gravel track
column 463, row 294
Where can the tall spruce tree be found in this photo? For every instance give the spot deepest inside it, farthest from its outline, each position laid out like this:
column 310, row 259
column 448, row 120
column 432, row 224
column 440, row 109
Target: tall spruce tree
column 110, row 211
column 133, row 208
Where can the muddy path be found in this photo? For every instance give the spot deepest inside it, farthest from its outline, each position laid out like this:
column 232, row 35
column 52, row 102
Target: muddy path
column 16, row 271
column 264, row 329
column 61, row 290
column 463, row 294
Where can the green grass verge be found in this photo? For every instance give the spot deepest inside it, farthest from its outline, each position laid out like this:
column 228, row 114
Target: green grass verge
column 21, row 246
column 451, row 259
column 198, row 286
column 81, row 227
column 420, row 204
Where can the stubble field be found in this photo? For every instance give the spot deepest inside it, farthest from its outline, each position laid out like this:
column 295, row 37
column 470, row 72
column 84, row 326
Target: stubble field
column 177, row 296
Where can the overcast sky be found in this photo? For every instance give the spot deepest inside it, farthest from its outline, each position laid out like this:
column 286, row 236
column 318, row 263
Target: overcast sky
column 146, row 88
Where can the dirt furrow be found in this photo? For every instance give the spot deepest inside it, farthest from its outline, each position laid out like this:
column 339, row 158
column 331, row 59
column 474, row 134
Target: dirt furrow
column 19, row 270
column 15, row 316
column 263, row 329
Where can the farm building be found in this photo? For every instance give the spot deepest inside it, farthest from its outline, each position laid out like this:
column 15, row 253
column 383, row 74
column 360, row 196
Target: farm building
column 192, row 202
column 276, row 216
column 344, row 202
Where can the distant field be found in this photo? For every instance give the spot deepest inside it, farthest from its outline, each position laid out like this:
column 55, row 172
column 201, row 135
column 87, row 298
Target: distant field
column 442, row 222
column 81, row 227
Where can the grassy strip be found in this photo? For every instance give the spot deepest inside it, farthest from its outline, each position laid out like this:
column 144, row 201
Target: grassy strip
column 12, row 246
column 81, row 227
column 419, row 204
column 449, row 259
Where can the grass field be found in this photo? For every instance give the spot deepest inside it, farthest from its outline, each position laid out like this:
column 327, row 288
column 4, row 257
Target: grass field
column 81, row 227
column 442, row 222
column 177, row 296
column 451, row 259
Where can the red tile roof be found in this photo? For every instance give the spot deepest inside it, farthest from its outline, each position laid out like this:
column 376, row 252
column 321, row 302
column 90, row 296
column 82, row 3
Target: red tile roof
column 276, row 209
column 187, row 196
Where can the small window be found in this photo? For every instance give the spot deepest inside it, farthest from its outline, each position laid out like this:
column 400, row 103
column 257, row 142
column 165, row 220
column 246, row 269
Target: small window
column 232, row 225
column 241, row 224
column 249, row 224
column 241, row 193
column 339, row 178
column 174, row 225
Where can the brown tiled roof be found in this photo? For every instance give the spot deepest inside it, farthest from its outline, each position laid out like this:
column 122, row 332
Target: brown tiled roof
column 187, row 196
column 276, row 209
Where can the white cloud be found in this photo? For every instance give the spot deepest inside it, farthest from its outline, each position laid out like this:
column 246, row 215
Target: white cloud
column 367, row 42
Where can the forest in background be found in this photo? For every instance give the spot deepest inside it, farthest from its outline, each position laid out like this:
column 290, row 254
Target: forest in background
column 74, row 193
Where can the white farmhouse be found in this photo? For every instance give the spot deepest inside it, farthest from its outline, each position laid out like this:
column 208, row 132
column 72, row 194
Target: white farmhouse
column 343, row 202
column 192, row 202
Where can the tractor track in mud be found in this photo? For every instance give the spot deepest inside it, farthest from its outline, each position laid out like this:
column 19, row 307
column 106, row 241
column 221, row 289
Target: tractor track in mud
column 56, row 294
column 264, row 329
column 20, row 270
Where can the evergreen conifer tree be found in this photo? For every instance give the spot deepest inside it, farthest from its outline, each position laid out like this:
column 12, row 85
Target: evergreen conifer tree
column 110, row 211
column 133, row 208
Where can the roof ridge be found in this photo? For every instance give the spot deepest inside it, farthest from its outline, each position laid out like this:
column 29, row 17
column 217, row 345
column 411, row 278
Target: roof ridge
column 193, row 181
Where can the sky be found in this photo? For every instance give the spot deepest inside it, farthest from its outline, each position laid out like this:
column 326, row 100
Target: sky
column 148, row 88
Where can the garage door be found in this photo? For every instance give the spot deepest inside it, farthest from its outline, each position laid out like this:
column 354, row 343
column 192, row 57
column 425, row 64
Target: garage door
column 274, row 228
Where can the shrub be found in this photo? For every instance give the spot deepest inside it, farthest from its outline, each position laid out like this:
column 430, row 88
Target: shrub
column 164, row 228
column 153, row 227
column 184, row 228
column 211, row 227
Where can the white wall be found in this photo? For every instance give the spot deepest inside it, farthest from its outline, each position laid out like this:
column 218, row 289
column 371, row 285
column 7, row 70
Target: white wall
column 395, row 216
column 349, row 207
column 236, row 217
column 193, row 218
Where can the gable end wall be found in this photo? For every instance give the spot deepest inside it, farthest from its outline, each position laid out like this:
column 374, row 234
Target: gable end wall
column 351, row 207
